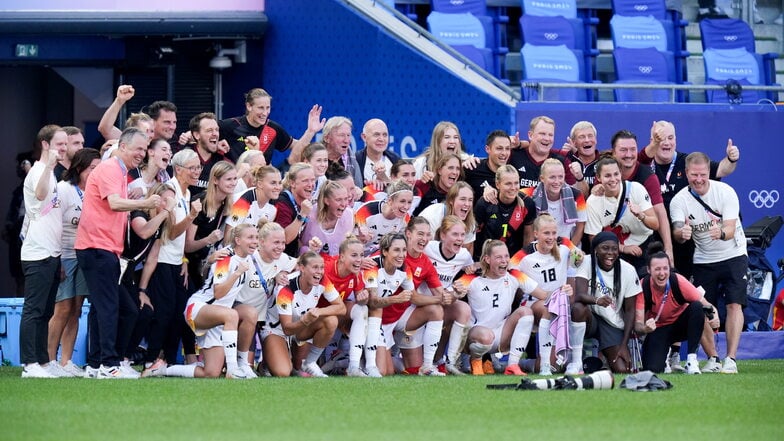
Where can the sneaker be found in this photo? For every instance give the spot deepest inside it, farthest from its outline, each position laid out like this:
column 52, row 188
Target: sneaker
column 476, row 367
column 373, row 372
column 157, row 369
column 574, row 368
column 713, row 365
column 514, row 369
column 113, row 373
column 248, row 371
column 126, row 367
column 674, row 363
column 73, row 369
column 487, row 367
column 693, row 367
column 90, row 372
column 430, row 372
column 314, row 370
column 545, row 369
column 729, row 366
column 56, row 370
column 35, row 370
column 452, row 369
column 237, row 374
column 356, row 372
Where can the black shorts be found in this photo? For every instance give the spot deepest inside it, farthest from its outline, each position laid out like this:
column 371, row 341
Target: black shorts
column 607, row 334
column 725, row 279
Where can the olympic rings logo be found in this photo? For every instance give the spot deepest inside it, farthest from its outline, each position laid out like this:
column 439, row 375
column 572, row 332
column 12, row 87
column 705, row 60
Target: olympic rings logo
column 763, row 198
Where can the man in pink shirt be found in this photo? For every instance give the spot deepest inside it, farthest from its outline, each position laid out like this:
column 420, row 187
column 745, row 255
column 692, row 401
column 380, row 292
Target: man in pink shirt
column 99, row 242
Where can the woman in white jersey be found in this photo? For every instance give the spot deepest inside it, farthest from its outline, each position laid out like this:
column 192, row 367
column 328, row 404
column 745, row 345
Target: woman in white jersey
column 297, row 319
column 376, row 218
column 402, row 170
column 64, row 324
column 499, row 322
column 551, row 261
column 256, row 203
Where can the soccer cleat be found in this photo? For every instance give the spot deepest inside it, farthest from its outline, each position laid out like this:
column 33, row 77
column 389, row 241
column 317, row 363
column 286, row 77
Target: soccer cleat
column 452, row 369
column 693, row 367
column 56, row 370
column 574, row 368
column 35, row 370
column 314, row 370
column 545, row 369
column 373, row 372
column 157, row 369
column 713, row 365
column 487, row 367
column 356, row 372
column 237, row 374
column 430, row 372
column 514, row 369
column 729, row 366
column 73, row 369
column 113, row 373
column 674, row 363
column 247, row 370
column 476, row 367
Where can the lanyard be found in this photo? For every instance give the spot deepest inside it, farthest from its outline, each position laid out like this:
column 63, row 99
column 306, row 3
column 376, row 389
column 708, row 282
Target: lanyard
column 669, row 172
column 79, row 192
column 601, row 279
column 663, row 300
column 261, row 276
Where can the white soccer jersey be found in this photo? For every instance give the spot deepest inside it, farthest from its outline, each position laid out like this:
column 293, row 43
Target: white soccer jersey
column 291, row 301
column 219, row 273
column 246, row 210
column 435, row 215
column 387, row 284
column 722, row 199
column 549, row 273
column 602, row 211
column 71, row 207
column 370, row 216
column 258, row 294
column 447, row 269
column 630, row 287
column 491, row 300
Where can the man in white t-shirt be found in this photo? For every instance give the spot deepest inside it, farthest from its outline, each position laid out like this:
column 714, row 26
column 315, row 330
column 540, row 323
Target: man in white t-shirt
column 40, row 254
column 707, row 212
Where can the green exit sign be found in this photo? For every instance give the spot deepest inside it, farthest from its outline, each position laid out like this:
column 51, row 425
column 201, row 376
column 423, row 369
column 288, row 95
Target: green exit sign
column 26, row 50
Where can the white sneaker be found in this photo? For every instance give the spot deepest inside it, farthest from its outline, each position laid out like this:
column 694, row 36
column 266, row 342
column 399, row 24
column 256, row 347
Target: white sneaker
column 729, row 366
column 373, row 372
column 314, row 370
column 431, row 371
column 248, row 371
column 674, row 363
column 73, row 369
column 127, row 369
column 90, row 372
column 545, row 369
column 713, row 366
column 692, row 365
column 35, row 370
column 56, row 370
column 574, row 368
column 355, row 372
column 157, row 369
column 113, row 373
column 237, row 374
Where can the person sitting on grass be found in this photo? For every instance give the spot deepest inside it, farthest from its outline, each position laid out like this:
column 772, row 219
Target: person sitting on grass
column 670, row 310
column 296, row 320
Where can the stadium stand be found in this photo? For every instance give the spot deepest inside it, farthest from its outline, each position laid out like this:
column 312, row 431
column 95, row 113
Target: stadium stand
column 464, row 33
column 641, row 66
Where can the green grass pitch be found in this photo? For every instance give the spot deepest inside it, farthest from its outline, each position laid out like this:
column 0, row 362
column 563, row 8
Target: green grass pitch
column 710, row 407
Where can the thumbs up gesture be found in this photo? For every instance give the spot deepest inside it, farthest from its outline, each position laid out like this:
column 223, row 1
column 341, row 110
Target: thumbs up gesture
column 733, row 153
column 686, row 230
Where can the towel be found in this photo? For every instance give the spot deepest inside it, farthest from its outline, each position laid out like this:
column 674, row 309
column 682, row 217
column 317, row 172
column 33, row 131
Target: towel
column 558, row 306
column 567, row 202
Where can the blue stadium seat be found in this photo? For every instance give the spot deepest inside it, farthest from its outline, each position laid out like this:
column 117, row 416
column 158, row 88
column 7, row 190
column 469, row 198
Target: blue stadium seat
column 553, row 64
column 730, row 33
column 737, row 64
column 641, row 66
column 462, row 31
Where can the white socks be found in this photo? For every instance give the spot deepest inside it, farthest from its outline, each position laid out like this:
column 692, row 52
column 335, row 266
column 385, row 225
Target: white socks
column 357, row 335
column 576, row 337
column 430, row 341
column 313, row 355
column 545, row 342
column 373, row 335
column 229, row 339
column 520, row 337
column 181, row 370
column 457, row 338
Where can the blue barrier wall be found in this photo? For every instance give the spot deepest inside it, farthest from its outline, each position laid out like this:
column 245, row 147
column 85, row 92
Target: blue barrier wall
column 322, row 52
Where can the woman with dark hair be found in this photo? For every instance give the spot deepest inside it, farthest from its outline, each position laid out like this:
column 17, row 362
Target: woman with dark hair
column 446, row 174
column 64, row 324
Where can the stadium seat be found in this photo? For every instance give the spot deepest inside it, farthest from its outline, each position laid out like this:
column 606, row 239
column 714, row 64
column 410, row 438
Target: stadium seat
column 641, row 66
column 736, row 64
column 552, row 64
column 462, row 32
column 730, row 33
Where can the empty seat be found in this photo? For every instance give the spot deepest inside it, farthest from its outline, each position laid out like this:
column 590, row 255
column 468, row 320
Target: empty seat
column 552, row 64
column 736, row 64
column 462, row 32
column 641, row 66
column 730, row 33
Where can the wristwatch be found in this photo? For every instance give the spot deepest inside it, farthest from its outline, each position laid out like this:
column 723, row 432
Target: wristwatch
column 302, row 218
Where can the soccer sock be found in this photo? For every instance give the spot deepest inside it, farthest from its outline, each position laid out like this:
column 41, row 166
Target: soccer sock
column 373, row 335
column 314, row 354
column 520, row 336
column 357, row 335
column 545, row 342
column 576, row 337
column 181, row 370
column 242, row 358
column 430, row 340
column 229, row 339
column 457, row 336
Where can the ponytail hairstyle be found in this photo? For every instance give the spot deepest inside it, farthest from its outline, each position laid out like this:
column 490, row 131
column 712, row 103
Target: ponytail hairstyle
column 305, row 258
column 329, row 189
column 546, row 218
column 487, row 248
column 237, row 231
column 656, row 251
column 509, row 169
column 266, row 227
column 294, row 170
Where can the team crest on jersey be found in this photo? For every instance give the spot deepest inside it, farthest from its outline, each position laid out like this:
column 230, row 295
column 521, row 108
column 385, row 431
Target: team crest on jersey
column 418, row 272
column 351, row 284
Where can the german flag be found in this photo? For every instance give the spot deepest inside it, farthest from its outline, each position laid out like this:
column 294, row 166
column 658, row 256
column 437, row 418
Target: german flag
column 370, row 276
column 284, row 299
column 517, row 258
column 328, row 286
column 466, row 279
column 222, row 269
column 240, row 209
column 519, row 275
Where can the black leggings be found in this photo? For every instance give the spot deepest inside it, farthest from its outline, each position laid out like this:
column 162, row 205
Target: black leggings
column 688, row 326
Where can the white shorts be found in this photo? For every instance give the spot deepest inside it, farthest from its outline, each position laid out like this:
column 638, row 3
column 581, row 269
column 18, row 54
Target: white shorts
column 191, row 312
column 389, row 330
column 211, row 338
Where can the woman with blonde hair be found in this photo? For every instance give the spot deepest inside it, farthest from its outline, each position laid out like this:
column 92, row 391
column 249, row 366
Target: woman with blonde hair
column 445, row 139
column 258, row 202
column 294, row 205
column 334, row 219
column 564, row 203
